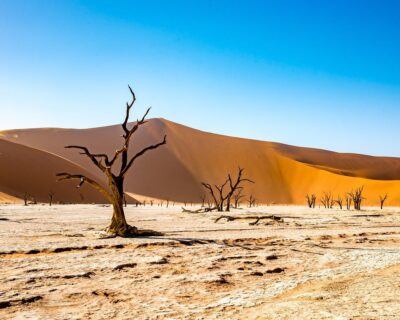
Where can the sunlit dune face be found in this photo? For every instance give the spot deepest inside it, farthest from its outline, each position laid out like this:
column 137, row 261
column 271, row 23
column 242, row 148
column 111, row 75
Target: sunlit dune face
column 282, row 174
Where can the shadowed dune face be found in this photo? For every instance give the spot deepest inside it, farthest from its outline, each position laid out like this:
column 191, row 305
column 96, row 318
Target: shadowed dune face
column 24, row 169
column 283, row 174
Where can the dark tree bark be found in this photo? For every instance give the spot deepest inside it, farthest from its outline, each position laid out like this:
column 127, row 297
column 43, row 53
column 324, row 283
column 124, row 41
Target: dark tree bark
column 237, row 197
column 357, row 197
column 256, row 218
column 327, row 200
column 220, row 197
column 339, row 201
column 311, row 199
column 115, row 176
column 349, row 201
column 203, row 201
column 51, row 197
column 251, row 201
column 218, row 201
column 26, row 198
column 234, row 186
column 382, row 200
column 125, row 202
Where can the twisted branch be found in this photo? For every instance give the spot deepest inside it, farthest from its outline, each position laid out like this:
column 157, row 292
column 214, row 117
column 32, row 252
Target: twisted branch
column 82, row 180
column 142, row 152
column 92, row 156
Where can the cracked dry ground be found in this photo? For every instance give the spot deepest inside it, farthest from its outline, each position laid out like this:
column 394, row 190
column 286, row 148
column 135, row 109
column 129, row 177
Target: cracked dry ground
column 317, row 264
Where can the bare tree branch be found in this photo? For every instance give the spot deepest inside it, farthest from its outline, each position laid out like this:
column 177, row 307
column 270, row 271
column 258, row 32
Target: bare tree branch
column 128, row 108
column 257, row 218
column 142, row 152
column 93, row 157
column 82, row 180
column 382, row 200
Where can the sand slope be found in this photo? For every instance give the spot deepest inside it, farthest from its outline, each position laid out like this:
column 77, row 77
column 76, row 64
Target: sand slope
column 283, row 174
column 24, row 169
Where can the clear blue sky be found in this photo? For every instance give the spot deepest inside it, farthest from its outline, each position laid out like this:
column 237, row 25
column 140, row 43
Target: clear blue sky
column 312, row 73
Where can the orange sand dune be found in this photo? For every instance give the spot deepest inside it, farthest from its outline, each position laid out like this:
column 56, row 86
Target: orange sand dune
column 24, row 169
column 283, row 174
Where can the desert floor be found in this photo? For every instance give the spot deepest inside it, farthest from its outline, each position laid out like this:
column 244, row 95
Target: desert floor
column 317, row 264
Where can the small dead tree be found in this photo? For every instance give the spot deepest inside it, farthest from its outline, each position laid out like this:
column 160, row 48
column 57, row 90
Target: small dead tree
column 327, row 200
column 237, row 196
column 51, row 196
column 339, row 201
column 382, row 200
column 251, row 201
column 26, row 198
column 311, row 200
column 357, row 197
column 115, row 176
column 203, row 200
column 349, row 201
column 223, row 198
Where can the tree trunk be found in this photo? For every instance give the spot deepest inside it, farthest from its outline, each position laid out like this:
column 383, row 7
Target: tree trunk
column 118, row 225
column 228, row 204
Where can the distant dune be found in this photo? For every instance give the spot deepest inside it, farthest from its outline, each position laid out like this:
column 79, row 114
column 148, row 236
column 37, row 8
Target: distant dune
column 283, row 174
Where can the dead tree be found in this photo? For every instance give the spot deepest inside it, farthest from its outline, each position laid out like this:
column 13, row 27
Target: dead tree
column 203, row 200
column 311, row 200
column 382, row 200
column 339, row 201
column 234, row 186
column 349, row 201
column 51, row 196
column 26, row 198
column 357, row 197
column 251, row 201
column 222, row 198
column 327, row 200
column 115, row 176
column 237, row 196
